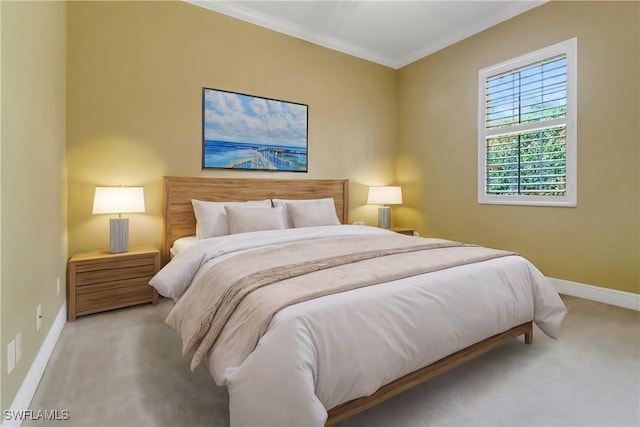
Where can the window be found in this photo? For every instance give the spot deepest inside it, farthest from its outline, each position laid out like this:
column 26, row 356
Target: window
column 527, row 129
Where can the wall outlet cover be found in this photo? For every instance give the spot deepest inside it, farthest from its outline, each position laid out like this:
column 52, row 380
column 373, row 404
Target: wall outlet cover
column 18, row 346
column 38, row 317
column 11, row 355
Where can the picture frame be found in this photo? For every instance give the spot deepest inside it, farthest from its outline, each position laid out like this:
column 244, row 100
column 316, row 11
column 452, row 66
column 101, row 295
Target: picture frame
column 248, row 132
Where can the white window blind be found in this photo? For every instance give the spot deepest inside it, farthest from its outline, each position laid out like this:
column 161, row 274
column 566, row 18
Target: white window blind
column 527, row 129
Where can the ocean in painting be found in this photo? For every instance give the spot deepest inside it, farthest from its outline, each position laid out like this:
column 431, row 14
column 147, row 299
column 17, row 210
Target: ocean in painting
column 236, row 155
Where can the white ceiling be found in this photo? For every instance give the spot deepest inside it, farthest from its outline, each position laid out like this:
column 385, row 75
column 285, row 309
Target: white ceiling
column 391, row 33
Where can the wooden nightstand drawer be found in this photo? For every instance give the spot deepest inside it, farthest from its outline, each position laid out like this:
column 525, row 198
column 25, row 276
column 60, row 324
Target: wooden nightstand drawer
column 121, row 287
column 100, row 281
column 100, row 272
column 96, row 298
column 407, row 231
column 123, row 261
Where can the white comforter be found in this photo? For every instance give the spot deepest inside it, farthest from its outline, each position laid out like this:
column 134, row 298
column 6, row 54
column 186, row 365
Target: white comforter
column 318, row 354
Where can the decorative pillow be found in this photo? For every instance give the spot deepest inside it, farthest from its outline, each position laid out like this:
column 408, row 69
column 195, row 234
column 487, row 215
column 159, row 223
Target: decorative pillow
column 246, row 219
column 211, row 218
column 312, row 213
column 287, row 217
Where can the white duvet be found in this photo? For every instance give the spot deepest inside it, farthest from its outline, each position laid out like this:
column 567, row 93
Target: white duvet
column 318, row 354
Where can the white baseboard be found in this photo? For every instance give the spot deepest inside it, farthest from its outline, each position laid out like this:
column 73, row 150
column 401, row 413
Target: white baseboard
column 28, row 388
column 597, row 293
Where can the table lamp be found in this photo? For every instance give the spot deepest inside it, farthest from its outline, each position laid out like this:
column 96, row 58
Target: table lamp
column 118, row 200
column 384, row 195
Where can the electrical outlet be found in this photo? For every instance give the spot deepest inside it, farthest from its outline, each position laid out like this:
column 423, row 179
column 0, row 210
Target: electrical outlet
column 58, row 286
column 11, row 356
column 38, row 317
column 358, row 223
column 18, row 346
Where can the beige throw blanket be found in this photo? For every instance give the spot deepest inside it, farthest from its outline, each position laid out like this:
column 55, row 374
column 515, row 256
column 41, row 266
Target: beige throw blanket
column 230, row 305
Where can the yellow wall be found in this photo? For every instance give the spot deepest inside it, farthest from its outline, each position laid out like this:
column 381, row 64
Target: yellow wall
column 598, row 241
column 33, row 181
column 135, row 77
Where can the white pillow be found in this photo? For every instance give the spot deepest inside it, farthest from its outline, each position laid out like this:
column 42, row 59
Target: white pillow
column 247, row 219
column 285, row 213
column 312, row 213
column 211, row 218
column 182, row 244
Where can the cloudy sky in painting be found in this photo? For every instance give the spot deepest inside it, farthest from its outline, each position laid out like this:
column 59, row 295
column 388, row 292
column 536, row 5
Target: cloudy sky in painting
column 242, row 118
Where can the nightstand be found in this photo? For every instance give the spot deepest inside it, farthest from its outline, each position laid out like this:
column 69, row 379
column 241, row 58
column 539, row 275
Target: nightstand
column 99, row 281
column 407, row 231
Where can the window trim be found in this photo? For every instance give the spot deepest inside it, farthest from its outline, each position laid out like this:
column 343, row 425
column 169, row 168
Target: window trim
column 570, row 49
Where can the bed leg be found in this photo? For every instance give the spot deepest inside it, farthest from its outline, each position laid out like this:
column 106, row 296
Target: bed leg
column 528, row 337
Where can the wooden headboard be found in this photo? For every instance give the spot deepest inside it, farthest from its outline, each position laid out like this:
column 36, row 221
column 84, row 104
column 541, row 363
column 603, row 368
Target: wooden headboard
column 178, row 219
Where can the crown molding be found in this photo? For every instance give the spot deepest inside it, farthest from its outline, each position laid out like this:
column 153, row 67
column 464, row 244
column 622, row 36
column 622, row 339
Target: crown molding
column 238, row 11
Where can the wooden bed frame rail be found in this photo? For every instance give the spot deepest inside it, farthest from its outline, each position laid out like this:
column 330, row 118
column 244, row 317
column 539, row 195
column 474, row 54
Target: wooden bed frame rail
column 348, row 409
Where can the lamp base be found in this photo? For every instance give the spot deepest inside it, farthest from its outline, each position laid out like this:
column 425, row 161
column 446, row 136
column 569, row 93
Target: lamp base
column 119, row 235
column 384, row 217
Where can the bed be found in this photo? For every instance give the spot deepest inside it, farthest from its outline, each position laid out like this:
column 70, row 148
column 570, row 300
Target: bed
column 408, row 321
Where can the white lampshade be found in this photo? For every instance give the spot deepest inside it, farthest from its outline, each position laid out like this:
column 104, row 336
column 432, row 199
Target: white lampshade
column 385, row 195
column 118, row 200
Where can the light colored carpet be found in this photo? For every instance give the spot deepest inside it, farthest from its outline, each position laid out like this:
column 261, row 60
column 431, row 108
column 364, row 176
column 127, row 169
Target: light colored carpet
column 123, row 368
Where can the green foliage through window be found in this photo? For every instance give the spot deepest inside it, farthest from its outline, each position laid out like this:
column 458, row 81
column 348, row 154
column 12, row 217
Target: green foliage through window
column 531, row 163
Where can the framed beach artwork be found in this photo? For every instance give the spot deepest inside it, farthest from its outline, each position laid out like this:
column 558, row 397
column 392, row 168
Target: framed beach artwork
column 251, row 132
